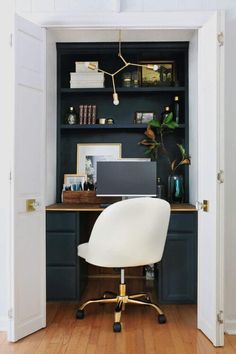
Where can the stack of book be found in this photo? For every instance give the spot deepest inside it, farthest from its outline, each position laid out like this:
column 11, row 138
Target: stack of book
column 85, row 77
column 87, row 114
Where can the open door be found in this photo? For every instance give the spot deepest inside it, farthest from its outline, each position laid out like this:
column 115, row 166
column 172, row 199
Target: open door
column 210, row 183
column 27, row 263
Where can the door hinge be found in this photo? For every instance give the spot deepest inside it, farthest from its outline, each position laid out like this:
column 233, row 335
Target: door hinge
column 11, row 39
column 10, row 176
column 10, row 313
column 220, row 38
column 220, row 176
column 220, row 317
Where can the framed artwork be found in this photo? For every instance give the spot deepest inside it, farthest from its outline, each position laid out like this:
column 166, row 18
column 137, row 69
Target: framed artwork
column 74, row 181
column 143, row 117
column 89, row 154
column 163, row 76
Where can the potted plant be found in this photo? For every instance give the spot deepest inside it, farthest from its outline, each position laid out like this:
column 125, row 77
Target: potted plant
column 155, row 147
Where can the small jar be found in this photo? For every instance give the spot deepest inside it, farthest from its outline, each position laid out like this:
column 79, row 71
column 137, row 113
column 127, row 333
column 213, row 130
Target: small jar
column 71, row 117
column 126, row 79
column 102, row 120
column 110, row 121
column 135, row 82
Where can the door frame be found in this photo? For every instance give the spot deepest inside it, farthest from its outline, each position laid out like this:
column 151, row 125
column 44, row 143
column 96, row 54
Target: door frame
column 127, row 21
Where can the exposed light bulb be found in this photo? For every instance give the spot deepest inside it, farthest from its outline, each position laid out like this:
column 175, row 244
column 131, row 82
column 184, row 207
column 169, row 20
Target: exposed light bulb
column 155, row 67
column 115, row 99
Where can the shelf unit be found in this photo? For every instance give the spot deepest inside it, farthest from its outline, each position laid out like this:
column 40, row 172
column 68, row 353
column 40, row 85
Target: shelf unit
column 132, row 99
column 109, row 126
column 125, row 89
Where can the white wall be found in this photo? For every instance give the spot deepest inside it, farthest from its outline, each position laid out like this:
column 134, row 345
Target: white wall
column 47, row 8
column 51, row 119
column 193, row 117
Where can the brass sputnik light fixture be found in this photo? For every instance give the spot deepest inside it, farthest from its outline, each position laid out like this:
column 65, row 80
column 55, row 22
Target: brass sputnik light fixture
column 126, row 64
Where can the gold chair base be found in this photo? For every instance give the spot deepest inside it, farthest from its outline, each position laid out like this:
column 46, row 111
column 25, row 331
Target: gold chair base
column 121, row 300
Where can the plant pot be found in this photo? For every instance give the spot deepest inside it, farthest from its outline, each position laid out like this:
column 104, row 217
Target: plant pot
column 175, row 189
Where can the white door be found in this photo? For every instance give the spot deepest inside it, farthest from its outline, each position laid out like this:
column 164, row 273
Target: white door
column 210, row 162
column 28, row 300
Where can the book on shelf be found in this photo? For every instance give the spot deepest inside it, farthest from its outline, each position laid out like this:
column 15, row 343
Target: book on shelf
column 91, row 79
column 83, row 66
column 89, row 114
column 91, row 76
column 85, row 114
column 86, row 84
column 81, row 114
column 94, row 110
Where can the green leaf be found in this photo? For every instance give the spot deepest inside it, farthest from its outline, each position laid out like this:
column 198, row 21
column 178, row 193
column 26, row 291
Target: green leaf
column 182, row 150
column 147, row 152
column 171, row 125
column 168, row 118
column 154, row 123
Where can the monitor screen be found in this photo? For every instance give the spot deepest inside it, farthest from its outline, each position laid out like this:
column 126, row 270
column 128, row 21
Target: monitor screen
column 126, row 178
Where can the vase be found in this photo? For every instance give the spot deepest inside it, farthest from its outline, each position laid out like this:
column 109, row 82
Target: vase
column 175, row 189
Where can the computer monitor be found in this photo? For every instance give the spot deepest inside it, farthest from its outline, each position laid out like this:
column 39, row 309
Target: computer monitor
column 126, row 178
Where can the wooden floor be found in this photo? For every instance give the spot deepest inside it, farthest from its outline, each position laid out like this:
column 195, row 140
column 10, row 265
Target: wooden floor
column 141, row 333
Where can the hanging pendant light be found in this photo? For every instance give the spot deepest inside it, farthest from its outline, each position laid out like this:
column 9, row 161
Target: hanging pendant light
column 115, row 96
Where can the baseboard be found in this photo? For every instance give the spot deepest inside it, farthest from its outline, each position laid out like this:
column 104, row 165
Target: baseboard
column 230, row 327
column 3, row 324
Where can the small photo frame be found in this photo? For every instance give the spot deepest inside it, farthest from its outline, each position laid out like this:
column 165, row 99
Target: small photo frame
column 74, row 182
column 163, row 76
column 143, row 117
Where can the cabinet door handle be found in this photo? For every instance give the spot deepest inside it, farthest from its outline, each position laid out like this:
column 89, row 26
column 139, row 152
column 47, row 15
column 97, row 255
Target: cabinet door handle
column 204, row 205
column 32, row 205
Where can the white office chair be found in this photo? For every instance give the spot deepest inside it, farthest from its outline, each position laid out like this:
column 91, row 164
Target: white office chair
column 128, row 233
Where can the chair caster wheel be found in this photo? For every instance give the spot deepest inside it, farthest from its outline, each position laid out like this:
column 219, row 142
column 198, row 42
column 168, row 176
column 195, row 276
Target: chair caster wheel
column 79, row 314
column 161, row 319
column 116, row 327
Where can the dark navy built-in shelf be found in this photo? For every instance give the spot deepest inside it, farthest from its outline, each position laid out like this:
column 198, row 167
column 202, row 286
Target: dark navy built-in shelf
column 126, row 89
column 107, row 126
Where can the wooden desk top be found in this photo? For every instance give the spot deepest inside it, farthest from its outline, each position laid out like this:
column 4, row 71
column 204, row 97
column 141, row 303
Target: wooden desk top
column 96, row 207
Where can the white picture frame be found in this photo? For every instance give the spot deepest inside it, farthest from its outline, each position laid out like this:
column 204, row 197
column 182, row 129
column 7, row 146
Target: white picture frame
column 74, row 180
column 89, row 154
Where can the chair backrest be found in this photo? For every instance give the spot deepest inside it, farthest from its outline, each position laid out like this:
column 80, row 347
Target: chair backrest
column 129, row 233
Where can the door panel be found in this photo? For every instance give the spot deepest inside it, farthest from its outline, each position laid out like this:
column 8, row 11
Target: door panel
column 210, row 138
column 28, row 300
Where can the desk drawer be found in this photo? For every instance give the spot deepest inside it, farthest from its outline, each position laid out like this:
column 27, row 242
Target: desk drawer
column 61, row 283
column 182, row 221
column 61, row 248
column 61, row 221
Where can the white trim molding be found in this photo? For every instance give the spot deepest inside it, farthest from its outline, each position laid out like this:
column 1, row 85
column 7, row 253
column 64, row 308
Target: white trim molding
column 230, row 327
column 135, row 20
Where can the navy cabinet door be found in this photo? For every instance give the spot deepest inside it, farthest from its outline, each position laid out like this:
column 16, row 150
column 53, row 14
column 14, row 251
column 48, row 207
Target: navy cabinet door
column 63, row 265
column 177, row 274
